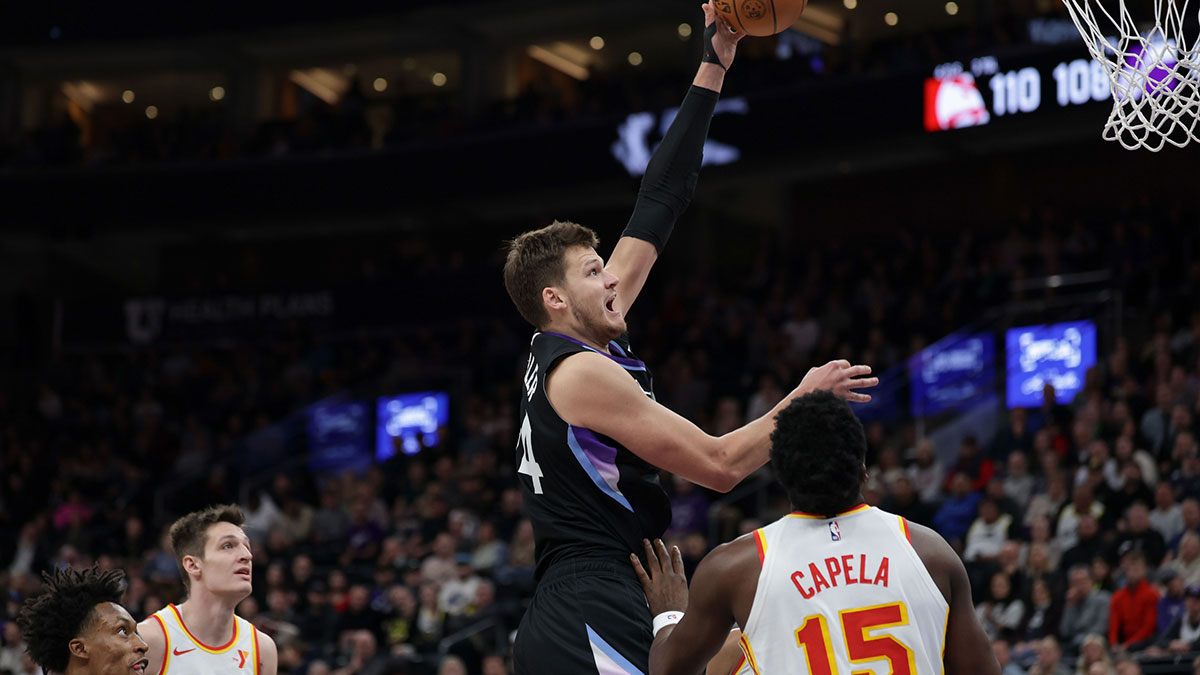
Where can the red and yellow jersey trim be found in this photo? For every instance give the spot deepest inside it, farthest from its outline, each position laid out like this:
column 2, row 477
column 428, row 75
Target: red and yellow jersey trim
column 904, row 528
column 162, row 670
column 813, row 516
column 254, row 634
column 748, row 654
column 211, row 650
column 760, row 540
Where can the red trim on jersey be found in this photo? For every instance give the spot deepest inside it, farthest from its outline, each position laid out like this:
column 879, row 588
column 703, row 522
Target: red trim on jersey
column 219, row 650
column 904, row 527
column 801, row 514
column 760, row 541
column 162, row 669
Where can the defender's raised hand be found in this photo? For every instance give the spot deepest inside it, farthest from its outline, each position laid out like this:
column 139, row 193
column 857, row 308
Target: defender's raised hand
column 720, row 38
column 666, row 584
column 841, row 378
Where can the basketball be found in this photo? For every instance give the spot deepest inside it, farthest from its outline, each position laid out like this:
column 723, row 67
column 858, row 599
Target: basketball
column 761, row 17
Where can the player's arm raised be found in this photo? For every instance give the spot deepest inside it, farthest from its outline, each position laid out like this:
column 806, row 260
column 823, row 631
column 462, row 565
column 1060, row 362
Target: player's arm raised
column 674, row 168
column 589, row 390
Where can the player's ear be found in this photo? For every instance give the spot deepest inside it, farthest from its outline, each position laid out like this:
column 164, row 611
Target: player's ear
column 77, row 648
column 191, row 564
column 554, row 298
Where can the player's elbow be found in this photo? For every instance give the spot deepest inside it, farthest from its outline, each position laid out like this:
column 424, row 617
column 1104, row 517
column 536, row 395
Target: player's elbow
column 720, row 474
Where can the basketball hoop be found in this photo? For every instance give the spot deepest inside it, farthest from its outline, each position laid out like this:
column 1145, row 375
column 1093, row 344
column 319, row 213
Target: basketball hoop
column 1149, row 51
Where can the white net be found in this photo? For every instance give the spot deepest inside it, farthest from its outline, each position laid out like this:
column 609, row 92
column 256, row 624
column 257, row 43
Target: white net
column 1148, row 49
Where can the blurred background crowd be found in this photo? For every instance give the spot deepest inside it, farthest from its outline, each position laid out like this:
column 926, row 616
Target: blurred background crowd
column 155, row 175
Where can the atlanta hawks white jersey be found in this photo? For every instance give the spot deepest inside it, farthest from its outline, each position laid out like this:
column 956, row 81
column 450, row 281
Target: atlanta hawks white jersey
column 843, row 596
column 185, row 655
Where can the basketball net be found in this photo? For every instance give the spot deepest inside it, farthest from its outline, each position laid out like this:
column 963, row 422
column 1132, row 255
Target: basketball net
column 1152, row 64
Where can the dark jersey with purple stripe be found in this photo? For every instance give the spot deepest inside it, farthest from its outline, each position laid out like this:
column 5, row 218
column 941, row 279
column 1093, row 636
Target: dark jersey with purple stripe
column 587, row 496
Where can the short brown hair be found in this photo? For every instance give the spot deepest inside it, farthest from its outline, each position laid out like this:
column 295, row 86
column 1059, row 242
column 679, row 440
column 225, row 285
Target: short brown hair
column 535, row 261
column 190, row 533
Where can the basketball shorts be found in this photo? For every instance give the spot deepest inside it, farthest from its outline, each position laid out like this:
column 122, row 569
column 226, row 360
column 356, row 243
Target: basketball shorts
column 586, row 616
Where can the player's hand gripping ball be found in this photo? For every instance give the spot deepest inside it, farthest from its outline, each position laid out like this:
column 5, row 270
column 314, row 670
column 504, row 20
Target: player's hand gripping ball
column 761, row 17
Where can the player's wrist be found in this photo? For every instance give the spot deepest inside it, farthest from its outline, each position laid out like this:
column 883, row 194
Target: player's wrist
column 667, row 618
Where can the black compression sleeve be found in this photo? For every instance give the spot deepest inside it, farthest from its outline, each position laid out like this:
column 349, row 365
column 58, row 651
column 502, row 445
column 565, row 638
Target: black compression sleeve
column 673, row 171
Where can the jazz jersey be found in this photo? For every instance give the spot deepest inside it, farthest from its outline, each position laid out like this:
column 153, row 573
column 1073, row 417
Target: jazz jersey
column 185, row 655
column 844, row 595
column 587, row 495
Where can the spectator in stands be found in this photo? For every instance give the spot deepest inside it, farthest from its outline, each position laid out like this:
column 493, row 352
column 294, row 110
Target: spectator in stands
column 906, row 502
column 1189, row 510
column 1015, row 437
column 1183, row 635
column 317, row 621
column 1186, row 479
column 995, row 492
column 1187, row 563
column 1043, row 612
column 1127, row 665
column 441, row 565
column 1002, row 612
column 1048, row 504
column 1131, row 491
column 1124, row 451
column 1139, row 535
column 1003, row 654
column 1082, row 502
column 1049, row 659
column 457, row 593
column 927, row 472
column 987, row 534
column 13, row 651
column 1089, row 544
column 430, row 619
column 490, row 552
column 1019, row 484
column 1171, row 604
column 359, row 615
column 1091, row 653
column 1156, row 420
column 973, row 464
column 452, row 665
column 1134, row 609
column 957, row 513
column 1086, row 610
column 1167, row 515
column 1040, row 534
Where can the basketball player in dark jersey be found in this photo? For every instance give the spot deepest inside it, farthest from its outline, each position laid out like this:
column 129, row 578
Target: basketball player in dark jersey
column 591, row 433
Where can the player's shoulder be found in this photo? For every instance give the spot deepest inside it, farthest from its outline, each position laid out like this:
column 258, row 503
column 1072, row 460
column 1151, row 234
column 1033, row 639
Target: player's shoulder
column 584, row 367
column 940, row 559
column 153, row 623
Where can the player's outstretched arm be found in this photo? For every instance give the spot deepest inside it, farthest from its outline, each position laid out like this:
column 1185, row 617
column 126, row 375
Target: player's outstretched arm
column 968, row 650
column 726, row 573
column 666, row 439
column 671, row 176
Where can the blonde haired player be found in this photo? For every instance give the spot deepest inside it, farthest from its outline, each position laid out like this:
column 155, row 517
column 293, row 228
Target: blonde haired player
column 202, row 635
column 834, row 587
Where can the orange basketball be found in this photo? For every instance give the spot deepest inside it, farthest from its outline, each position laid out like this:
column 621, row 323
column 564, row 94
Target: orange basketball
column 761, row 17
